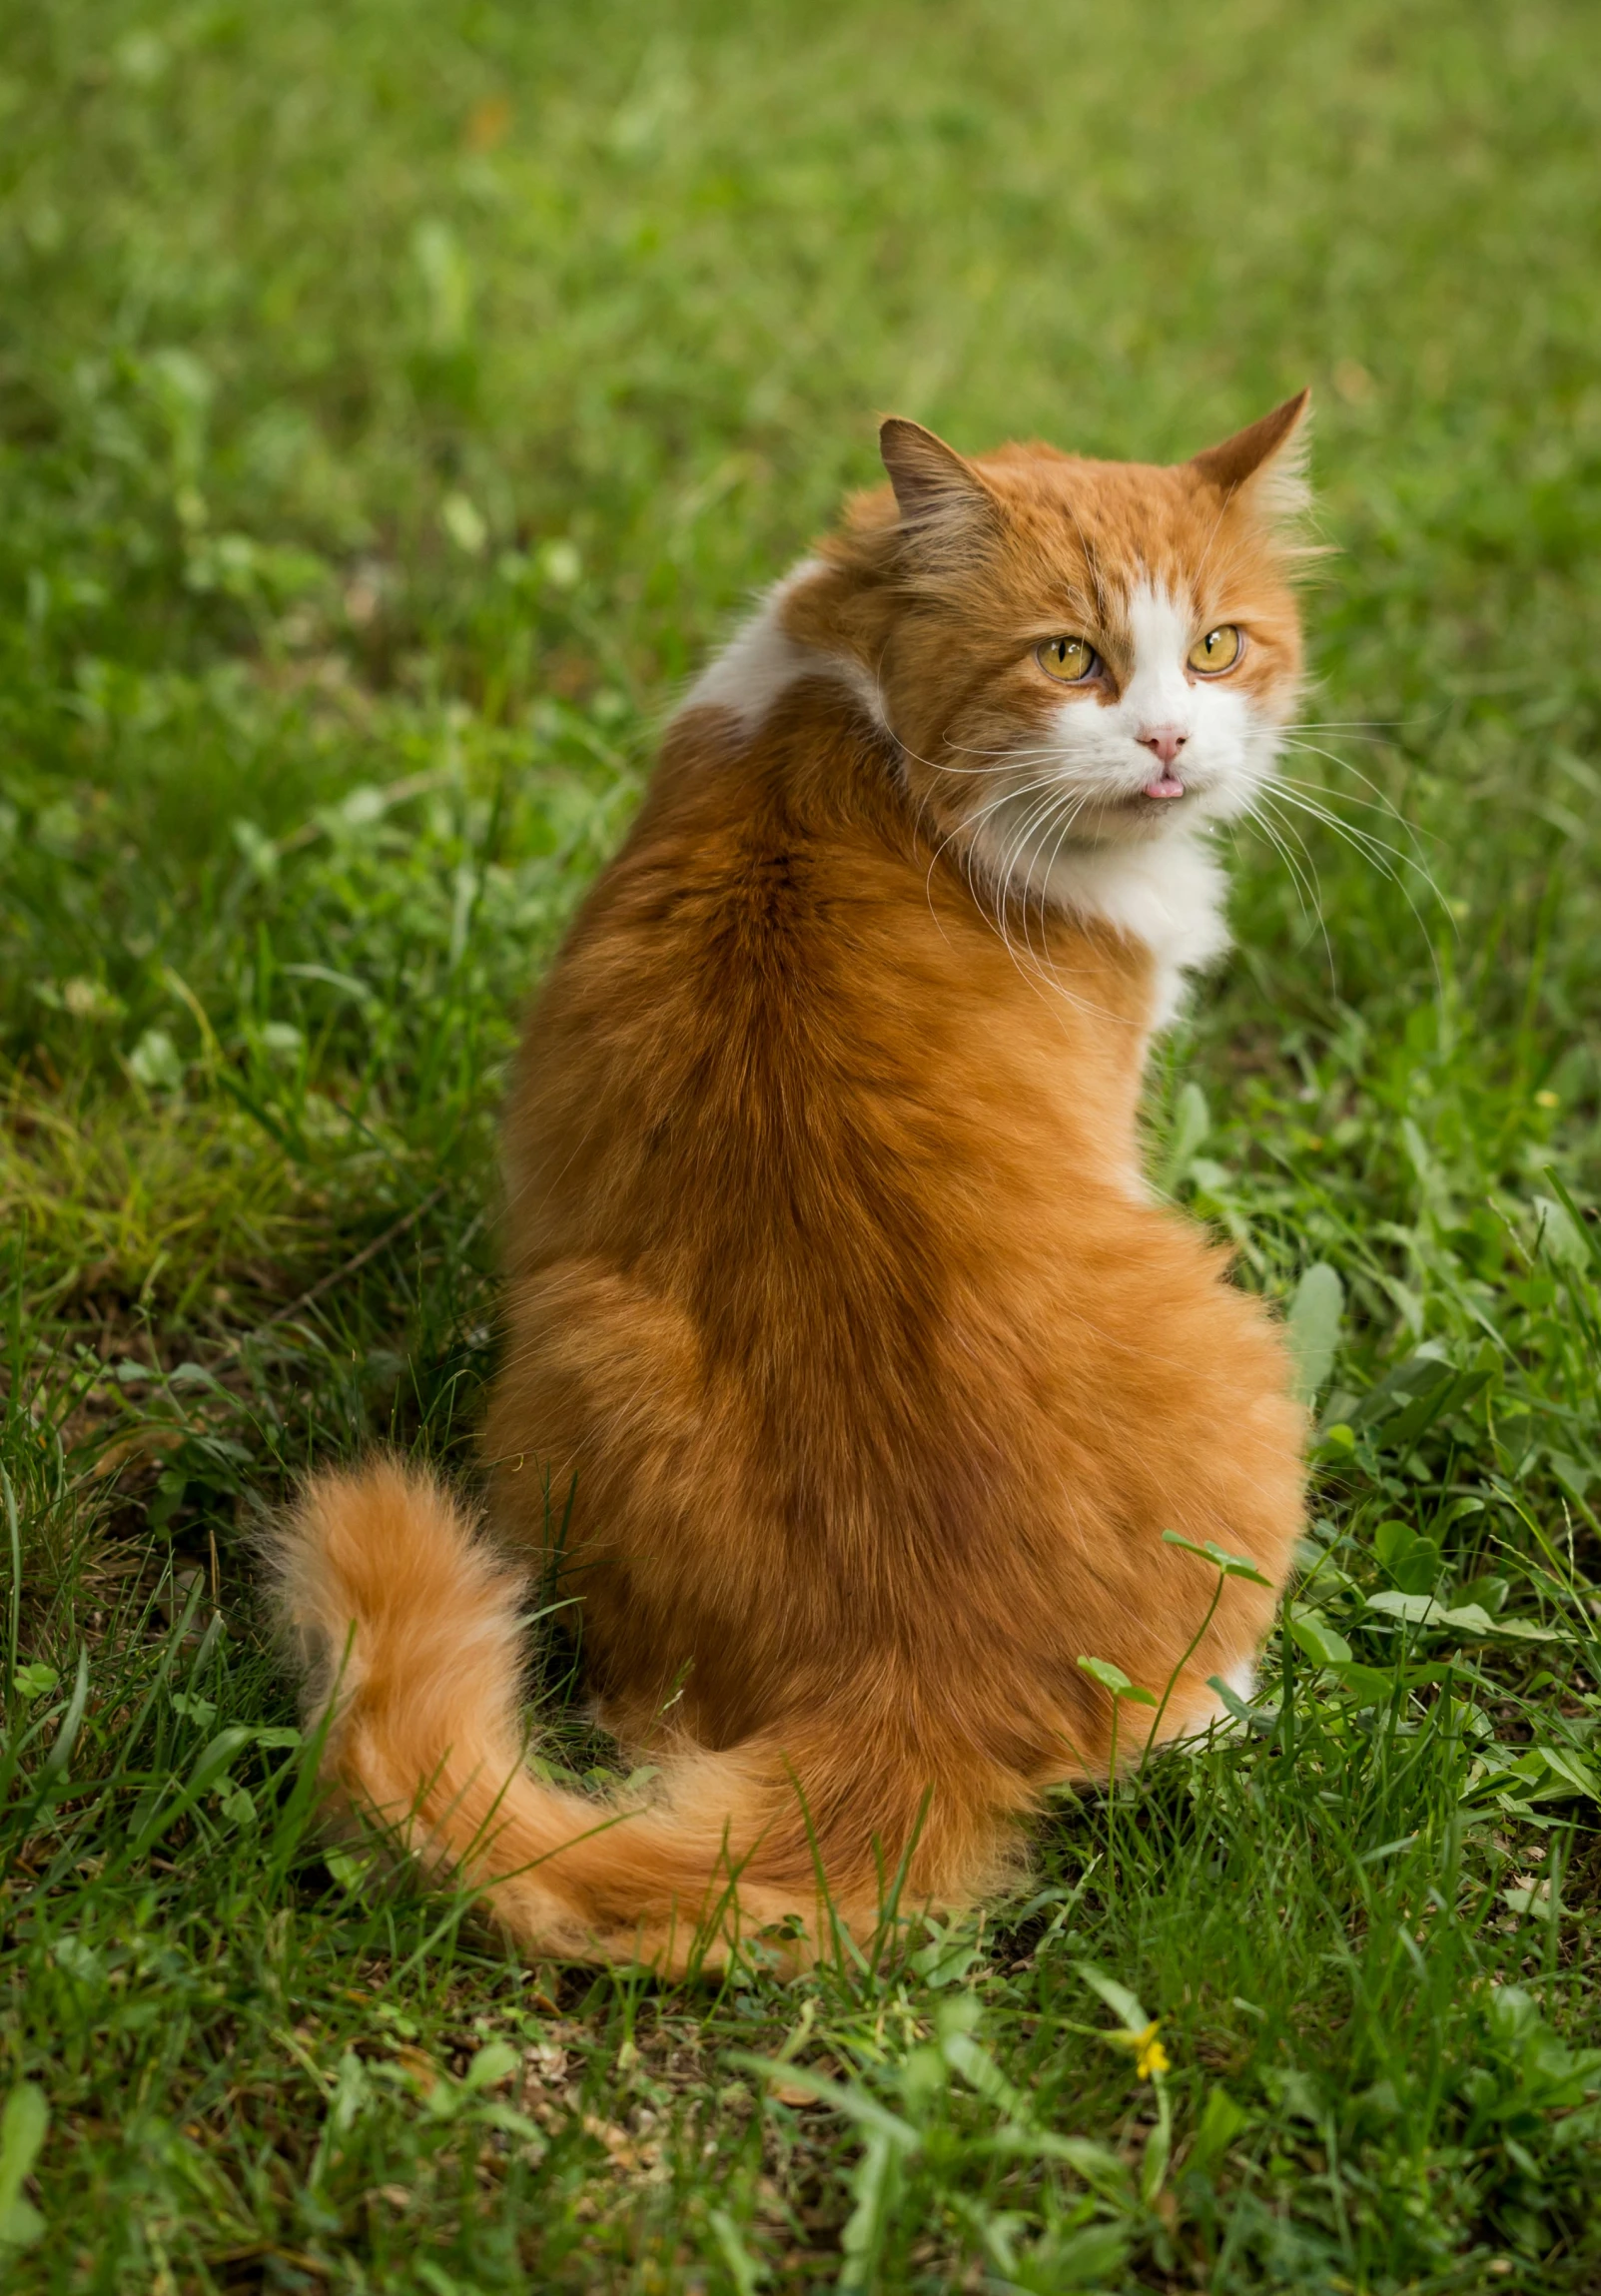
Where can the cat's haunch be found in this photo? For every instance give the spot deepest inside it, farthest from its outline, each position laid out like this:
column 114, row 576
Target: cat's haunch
column 836, row 1298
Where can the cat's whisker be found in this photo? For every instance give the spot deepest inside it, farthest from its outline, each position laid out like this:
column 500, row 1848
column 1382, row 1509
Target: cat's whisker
column 1004, row 889
column 1380, row 801
column 1277, row 836
column 1295, row 793
column 1036, row 826
column 970, row 749
column 1305, row 795
column 1034, row 833
column 1005, row 796
column 1045, row 753
column 1006, row 870
column 1366, row 804
column 1377, row 855
column 1368, row 848
column 1294, row 738
column 1308, row 795
column 1062, row 834
column 1372, row 849
column 968, row 827
column 1022, row 839
column 1309, row 908
column 1039, row 868
column 1012, row 756
column 972, row 823
column 1296, row 741
column 1309, row 889
column 1373, row 728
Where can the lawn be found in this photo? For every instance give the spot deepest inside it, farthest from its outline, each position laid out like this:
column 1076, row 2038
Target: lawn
column 395, row 401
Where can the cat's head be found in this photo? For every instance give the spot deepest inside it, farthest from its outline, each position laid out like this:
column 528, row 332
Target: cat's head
column 1073, row 652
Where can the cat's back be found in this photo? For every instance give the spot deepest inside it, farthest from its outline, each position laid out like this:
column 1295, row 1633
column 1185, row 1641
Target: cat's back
column 780, row 1005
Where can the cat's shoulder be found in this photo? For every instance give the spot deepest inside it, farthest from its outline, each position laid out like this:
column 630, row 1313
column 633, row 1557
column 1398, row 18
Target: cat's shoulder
column 756, row 666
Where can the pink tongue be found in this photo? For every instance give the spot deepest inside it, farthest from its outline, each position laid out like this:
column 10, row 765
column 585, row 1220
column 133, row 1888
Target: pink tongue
column 1164, row 785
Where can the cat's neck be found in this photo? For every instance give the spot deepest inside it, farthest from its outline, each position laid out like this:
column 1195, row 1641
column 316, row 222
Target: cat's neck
column 1167, row 895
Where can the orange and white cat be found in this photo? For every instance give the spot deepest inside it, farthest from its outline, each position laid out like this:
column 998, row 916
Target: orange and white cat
column 835, row 1295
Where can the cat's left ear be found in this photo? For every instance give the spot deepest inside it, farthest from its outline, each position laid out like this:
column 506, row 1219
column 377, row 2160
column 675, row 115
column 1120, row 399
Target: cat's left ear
column 940, row 497
column 1268, row 458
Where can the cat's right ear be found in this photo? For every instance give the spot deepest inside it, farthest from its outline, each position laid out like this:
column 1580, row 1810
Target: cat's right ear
column 935, row 491
column 1268, row 458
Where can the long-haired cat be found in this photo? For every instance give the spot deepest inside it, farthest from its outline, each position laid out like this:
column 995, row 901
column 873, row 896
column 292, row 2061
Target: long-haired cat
column 836, row 1299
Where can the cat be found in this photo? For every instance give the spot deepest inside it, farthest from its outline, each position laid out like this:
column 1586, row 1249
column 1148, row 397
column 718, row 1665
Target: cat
column 841, row 1324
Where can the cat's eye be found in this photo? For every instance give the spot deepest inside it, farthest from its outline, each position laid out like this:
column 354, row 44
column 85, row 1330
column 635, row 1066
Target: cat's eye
column 1069, row 660
column 1220, row 649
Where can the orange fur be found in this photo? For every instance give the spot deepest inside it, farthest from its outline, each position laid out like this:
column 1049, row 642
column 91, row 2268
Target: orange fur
column 834, row 1295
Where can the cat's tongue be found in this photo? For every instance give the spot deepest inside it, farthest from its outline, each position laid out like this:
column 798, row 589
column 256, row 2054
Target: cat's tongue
column 1164, row 785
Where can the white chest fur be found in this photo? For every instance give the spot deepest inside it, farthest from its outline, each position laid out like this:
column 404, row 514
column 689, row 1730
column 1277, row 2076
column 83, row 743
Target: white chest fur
column 1170, row 894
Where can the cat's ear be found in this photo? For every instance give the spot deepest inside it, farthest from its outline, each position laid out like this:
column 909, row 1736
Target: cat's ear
column 1268, row 456
column 935, row 489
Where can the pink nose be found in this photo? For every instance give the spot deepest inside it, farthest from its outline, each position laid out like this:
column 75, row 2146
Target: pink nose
column 1164, row 741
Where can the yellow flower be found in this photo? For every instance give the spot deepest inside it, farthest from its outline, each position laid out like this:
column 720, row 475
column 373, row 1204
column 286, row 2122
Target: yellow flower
column 1151, row 2057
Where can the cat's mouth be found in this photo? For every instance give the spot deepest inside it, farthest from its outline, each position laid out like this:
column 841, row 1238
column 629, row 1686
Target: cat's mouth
column 1162, row 788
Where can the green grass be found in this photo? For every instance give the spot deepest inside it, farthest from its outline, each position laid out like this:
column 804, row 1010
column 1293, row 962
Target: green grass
column 395, row 400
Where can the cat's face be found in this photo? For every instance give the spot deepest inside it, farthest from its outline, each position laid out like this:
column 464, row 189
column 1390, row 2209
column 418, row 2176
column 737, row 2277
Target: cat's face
column 1089, row 654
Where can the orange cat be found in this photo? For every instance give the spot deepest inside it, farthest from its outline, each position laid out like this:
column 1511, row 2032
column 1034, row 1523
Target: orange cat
column 836, row 1296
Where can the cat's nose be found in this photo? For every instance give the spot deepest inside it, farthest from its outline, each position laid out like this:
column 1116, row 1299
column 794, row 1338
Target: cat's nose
column 1164, row 741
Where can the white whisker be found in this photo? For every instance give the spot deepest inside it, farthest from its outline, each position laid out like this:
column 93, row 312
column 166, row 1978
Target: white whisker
column 1278, row 837
column 1378, row 856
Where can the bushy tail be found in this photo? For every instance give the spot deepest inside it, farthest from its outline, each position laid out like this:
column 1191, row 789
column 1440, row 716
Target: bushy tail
column 406, row 1621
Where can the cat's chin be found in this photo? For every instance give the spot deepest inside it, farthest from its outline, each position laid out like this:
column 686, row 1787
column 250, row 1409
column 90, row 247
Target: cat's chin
column 1140, row 820
column 1145, row 819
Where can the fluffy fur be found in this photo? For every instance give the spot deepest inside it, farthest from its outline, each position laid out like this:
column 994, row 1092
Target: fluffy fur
column 834, row 1295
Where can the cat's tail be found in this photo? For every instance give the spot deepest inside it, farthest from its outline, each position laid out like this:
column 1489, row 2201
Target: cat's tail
column 408, row 1629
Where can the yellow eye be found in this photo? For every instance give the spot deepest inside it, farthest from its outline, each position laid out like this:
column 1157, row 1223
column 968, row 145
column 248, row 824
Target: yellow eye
column 1220, row 649
column 1068, row 660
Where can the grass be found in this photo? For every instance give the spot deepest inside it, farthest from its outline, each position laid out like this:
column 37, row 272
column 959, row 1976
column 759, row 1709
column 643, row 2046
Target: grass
column 395, row 401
